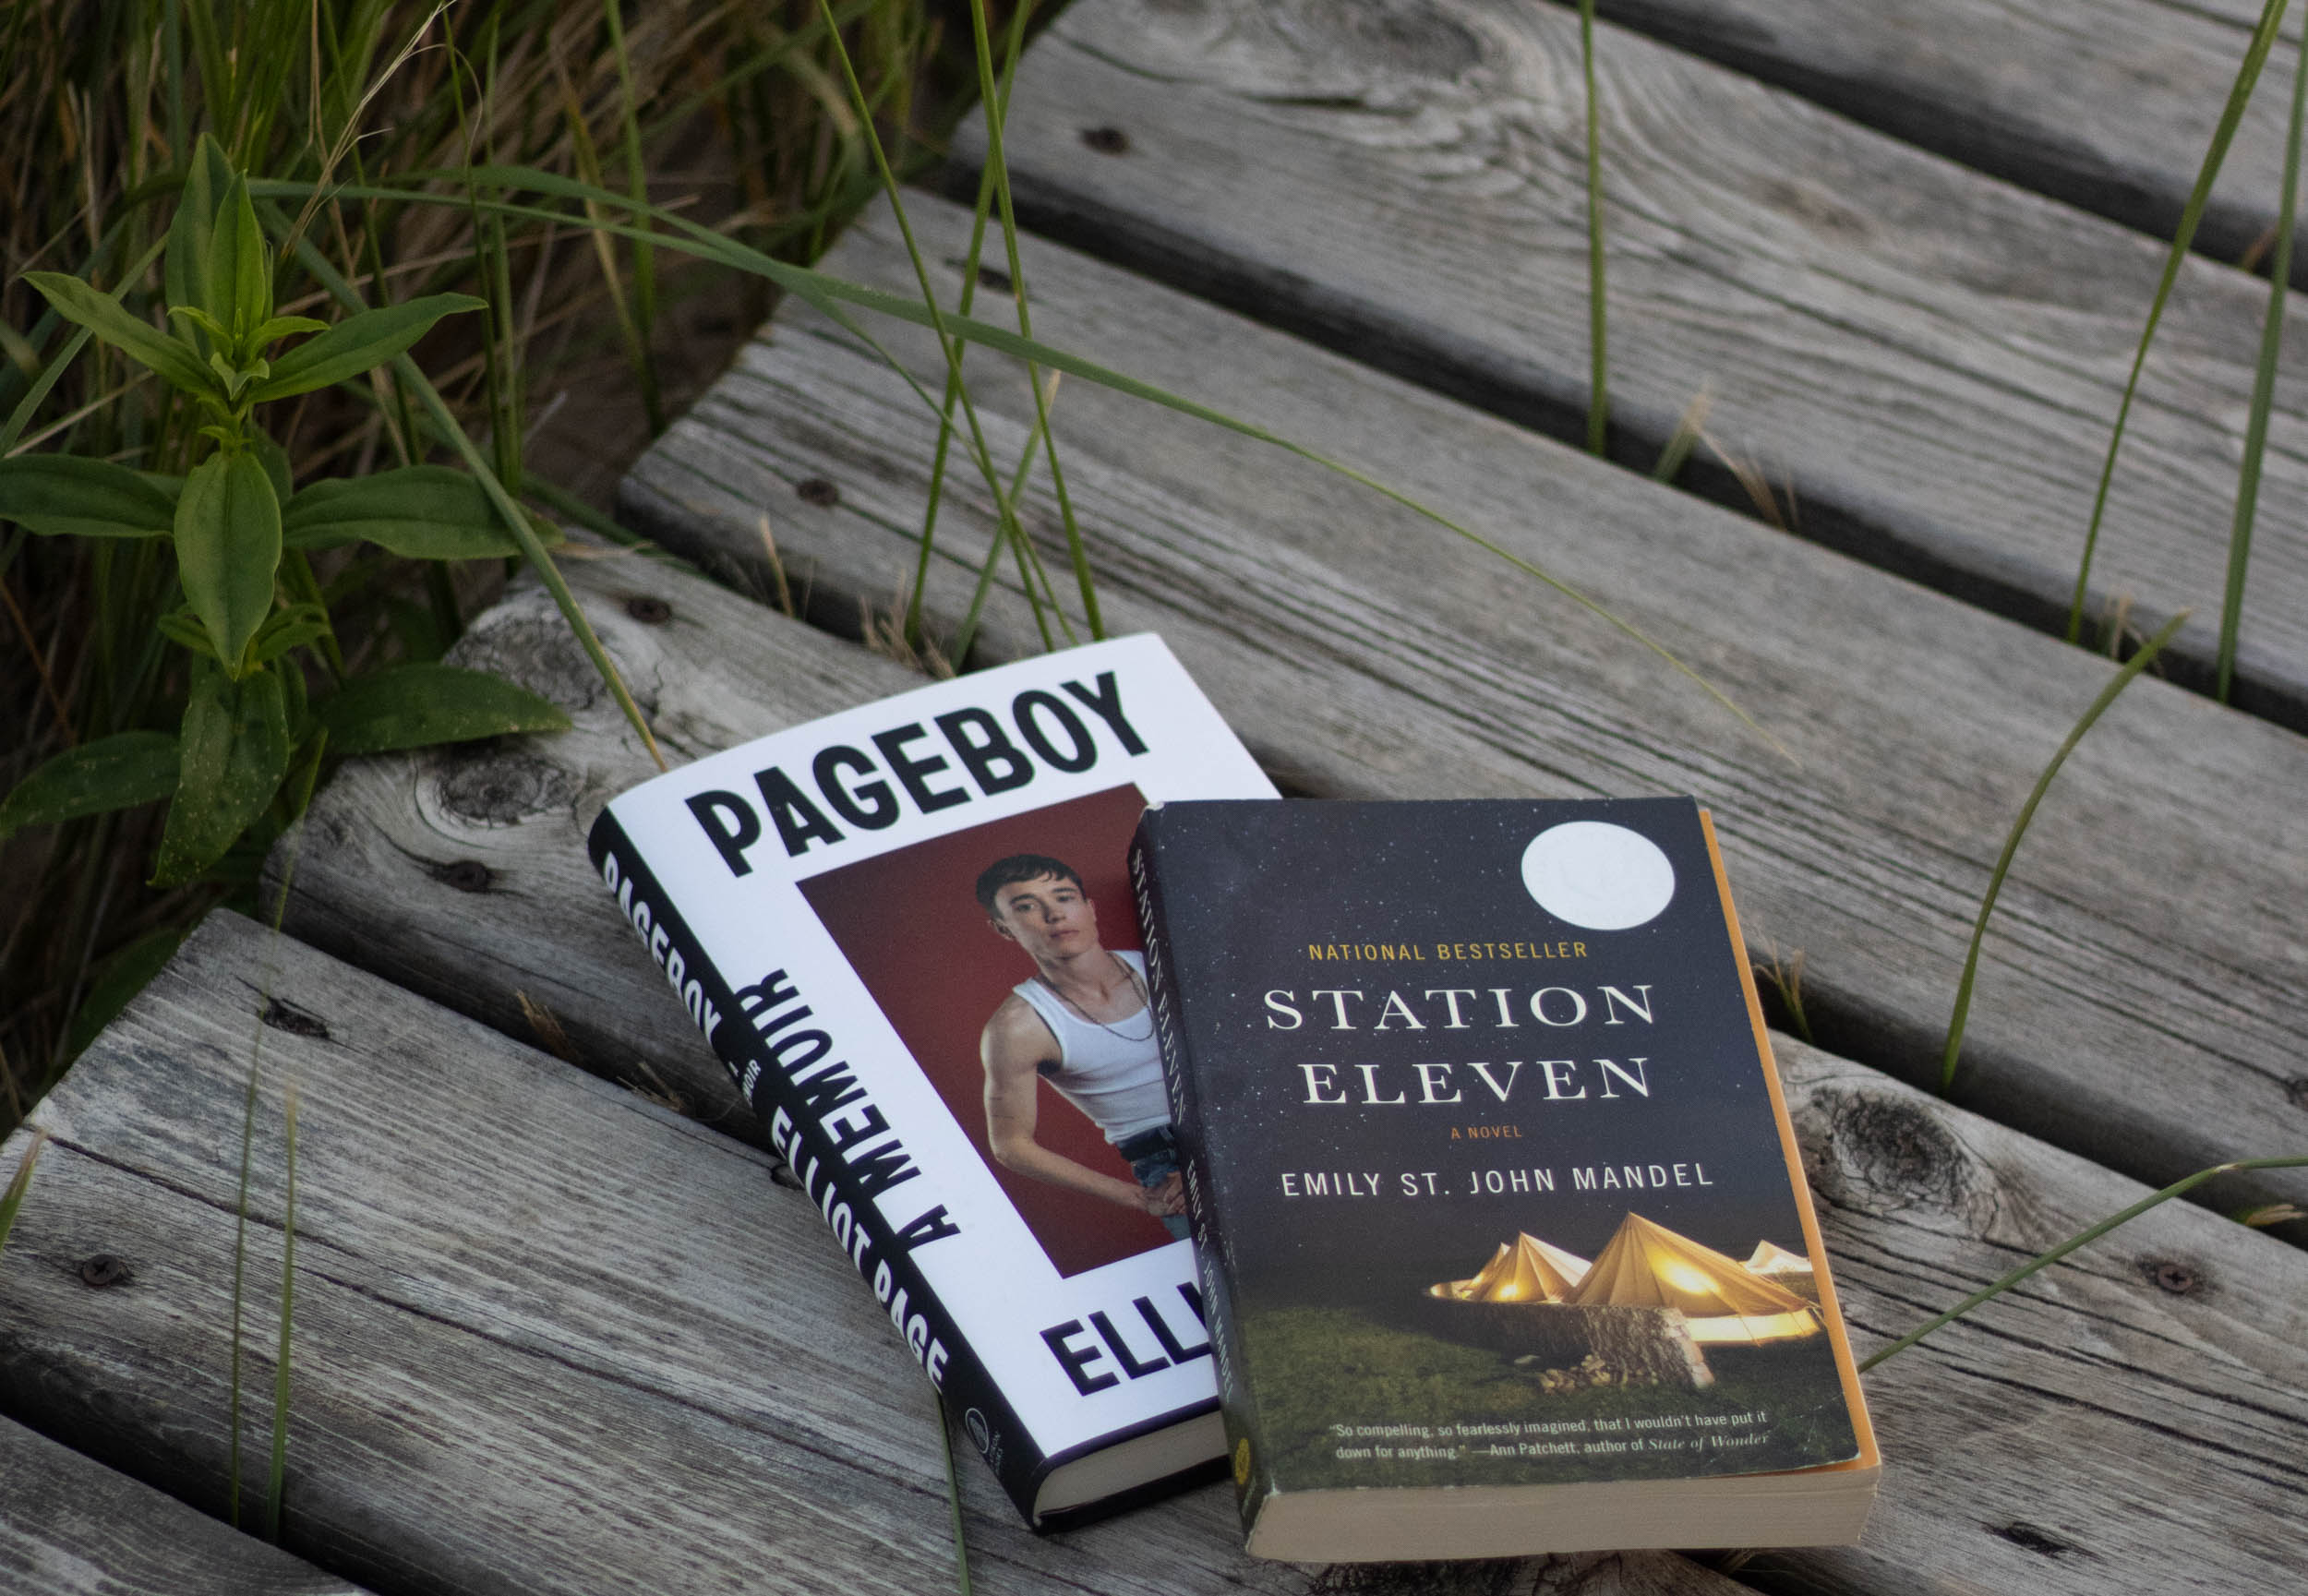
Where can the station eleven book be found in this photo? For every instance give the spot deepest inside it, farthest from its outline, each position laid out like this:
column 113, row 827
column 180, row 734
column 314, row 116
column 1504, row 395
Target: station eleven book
column 1505, row 1245
column 908, row 932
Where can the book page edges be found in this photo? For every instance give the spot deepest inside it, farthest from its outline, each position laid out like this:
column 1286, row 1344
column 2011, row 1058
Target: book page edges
column 1869, row 1459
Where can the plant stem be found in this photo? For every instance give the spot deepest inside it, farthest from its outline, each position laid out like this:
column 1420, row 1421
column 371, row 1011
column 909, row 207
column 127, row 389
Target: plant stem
column 2116, row 684
column 2082, row 1238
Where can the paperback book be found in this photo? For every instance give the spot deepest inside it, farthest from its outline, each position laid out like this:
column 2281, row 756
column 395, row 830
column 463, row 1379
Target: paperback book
column 1505, row 1246
column 906, row 930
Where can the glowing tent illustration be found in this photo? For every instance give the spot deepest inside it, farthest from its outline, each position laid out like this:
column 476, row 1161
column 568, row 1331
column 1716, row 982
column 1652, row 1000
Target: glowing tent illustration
column 1646, row 1265
column 1770, row 1258
column 1523, row 1271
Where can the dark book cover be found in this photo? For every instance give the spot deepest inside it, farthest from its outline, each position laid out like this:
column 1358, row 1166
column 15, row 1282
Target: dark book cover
column 1489, row 1175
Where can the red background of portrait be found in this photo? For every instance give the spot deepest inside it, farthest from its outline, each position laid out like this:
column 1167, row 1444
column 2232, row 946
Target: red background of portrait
column 908, row 922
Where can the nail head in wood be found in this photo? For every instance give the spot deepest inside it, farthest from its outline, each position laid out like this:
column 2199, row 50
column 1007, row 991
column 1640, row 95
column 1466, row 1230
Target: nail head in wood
column 2171, row 1275
column 1107, row 140
column 102, row 1271
column 648, row 610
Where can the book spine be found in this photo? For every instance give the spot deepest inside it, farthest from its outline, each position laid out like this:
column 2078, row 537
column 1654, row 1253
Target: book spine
column 843, row 1196
column 1246, row 1450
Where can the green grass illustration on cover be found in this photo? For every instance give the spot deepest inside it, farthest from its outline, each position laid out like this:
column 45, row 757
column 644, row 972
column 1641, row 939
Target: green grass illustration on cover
column 1498, row 1213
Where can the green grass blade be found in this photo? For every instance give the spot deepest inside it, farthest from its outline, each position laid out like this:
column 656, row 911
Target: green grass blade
column 240, row 1277
column 2082, row 1238
column 28, row 406
column 996, row 112
column 954, row 1502
column 2108, row 695
column 1599, row 389
column 21, row 1183
column 936, row 495
column 413, row 380
column 2231, row 113
column 828, row 294
column 644, row 255
column 937, row 321
column 2262, row 385
column 277, row 1473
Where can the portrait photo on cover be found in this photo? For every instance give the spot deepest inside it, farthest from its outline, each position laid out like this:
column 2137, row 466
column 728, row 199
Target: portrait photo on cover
column 1006, row 958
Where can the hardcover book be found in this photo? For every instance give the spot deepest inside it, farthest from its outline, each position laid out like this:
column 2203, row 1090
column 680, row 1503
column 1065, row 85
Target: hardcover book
column 908, row 932
column 1504, row 1242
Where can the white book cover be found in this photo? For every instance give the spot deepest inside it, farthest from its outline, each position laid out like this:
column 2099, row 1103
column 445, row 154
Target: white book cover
column 907, row 930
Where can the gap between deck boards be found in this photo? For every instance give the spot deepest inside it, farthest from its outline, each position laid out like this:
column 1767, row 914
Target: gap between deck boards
column 1925, row 360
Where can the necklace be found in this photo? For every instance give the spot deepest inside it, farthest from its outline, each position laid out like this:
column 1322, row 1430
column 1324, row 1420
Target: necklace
column 1146, row 1003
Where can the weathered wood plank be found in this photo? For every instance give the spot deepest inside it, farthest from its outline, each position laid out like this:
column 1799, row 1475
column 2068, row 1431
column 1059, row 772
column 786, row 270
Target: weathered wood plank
column 553, row 1338
column 2107, row 104
column 549, row 1336
column 1929, row 359
column 71, row 1527
column 2141, row 1000
column 463, row 876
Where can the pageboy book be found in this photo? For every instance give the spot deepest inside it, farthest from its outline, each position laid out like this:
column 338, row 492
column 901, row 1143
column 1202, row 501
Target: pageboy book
column 908, row 932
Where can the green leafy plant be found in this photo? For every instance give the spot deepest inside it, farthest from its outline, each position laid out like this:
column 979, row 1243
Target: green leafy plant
column 254, row 623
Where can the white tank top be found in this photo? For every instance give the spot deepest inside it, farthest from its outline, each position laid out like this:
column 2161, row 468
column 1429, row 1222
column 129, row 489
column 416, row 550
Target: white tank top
column 1112, row 1073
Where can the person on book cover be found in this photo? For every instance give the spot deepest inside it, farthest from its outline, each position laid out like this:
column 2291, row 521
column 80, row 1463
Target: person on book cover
column 1084, row 1024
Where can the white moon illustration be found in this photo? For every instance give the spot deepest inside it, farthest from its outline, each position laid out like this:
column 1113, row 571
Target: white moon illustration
column 1597, row 876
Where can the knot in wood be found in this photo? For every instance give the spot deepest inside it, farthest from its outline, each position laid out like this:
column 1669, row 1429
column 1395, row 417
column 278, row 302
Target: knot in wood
column 2172, row 1275
column 1406, row 38
column 535, row 649
column 2297, row 1090
column 648, row 610
column 1107, row 140
column 283, row 1015
column 816, row 490
column 465, row 875
column 496, row 787
column 1877, row 1151
column 104, row 1270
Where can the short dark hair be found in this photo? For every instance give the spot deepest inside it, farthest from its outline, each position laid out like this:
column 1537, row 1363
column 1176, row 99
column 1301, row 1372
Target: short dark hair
column 1020, row 868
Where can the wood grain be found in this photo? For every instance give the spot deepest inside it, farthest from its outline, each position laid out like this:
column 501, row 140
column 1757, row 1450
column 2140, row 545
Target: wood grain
column 71, row 1527
column 552, row 1338
column 549, row 1336
column 1927, row 359
column 2140, row 998
column 2107, row 104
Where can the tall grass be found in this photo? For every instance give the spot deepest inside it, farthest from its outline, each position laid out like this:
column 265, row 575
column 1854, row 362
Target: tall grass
column 728, row 110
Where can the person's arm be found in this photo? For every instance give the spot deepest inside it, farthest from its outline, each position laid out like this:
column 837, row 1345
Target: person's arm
column 1015, row 1044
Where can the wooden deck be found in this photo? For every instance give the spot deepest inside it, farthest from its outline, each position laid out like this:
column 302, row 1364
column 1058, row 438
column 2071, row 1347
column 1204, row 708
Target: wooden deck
column 560, row 1329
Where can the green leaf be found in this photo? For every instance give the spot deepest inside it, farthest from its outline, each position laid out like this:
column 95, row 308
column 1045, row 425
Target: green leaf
column 239, row 265
column 278, row 469
column 232, row 755
column 289, row 629
column 101, row 315
column 114, row 772
column 358, row 343
column 203, row 320
column 124, row 975
column 185, row 276
column 66, row 496
column 418, row 512
column 228, row 547
column 284, row 327
column 418, row 706
column 183, row 627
